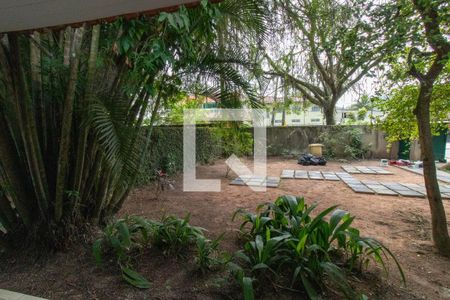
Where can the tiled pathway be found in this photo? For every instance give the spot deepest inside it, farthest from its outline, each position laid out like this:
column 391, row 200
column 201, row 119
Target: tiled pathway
column 267, row 181
column 365, row 170
column 366, row 186
column 441, row 175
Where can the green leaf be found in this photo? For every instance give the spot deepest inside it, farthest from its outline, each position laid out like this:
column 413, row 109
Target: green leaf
column 336, row 217
column 134, row 278
column 312, row 293
column 247, row 286
column 125, row 237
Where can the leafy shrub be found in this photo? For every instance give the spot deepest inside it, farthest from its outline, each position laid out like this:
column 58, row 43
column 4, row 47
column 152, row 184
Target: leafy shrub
column 128, row 237
column 286, row 245
column 121, row 239
column 166, row 152
column 343, row 139
column 173, row 234
column 234, row 139
column 207, row 254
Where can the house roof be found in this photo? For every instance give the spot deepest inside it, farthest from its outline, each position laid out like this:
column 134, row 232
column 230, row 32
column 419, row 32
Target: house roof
column 25, row 15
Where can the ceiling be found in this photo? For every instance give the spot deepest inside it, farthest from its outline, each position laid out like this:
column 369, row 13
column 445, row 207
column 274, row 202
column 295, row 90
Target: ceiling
column 22, row 15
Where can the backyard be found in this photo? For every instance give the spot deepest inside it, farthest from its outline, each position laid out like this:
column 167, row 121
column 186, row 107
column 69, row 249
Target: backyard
column 401, row 223
column 109, row 112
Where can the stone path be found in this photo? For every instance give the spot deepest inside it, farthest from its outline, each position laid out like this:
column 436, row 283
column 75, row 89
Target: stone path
column 365, row 170
column 441, row 175
column 267, row 181
column 364, row 186
column 313, row 175
column 389, row 188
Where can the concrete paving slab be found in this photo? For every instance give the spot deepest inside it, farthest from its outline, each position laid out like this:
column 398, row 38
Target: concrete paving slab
column 342, row 174
column 301, row 174
column 287, row 174
column 365, row 170
column 8, row 295
column 385, row 191
column 331, row 177
column 370, row 182
column 381, row 171
column 410, row 193
column 351, row 181
column 237, row 181
column 395, row 186
column 350, row 169
column 245, row 177
column 254, row 183
column 375, row 186
column 315, row 175
column 269, row 181
column 411, row 185
column 270, row 184
column 360, row 188
column 273, row 178
column 444, row 189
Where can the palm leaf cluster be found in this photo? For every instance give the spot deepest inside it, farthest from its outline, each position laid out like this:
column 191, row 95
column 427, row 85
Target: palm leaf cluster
column 72, row 105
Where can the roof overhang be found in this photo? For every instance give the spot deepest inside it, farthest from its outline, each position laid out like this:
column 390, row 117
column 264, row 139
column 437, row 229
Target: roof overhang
column 26, row 15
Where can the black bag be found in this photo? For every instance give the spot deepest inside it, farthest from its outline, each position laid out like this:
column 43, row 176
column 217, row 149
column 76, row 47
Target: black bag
column 308, row 159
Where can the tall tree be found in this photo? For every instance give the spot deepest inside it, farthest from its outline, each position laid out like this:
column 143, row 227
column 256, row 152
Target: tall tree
column 434, row 19
column 328, row 46
column 417, row 110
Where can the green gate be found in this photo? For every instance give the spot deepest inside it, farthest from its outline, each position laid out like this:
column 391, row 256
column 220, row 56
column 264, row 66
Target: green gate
column 403, row 149
column 439, row 145
column 439, row 142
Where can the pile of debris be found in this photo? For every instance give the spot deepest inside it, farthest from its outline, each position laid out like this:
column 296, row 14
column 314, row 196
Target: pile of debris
column 308, row 159
column 405, row 163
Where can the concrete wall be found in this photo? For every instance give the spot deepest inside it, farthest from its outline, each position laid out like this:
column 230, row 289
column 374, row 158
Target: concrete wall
column 295, row 140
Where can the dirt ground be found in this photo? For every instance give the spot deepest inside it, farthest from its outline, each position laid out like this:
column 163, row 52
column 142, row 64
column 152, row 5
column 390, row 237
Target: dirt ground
column 400, row 223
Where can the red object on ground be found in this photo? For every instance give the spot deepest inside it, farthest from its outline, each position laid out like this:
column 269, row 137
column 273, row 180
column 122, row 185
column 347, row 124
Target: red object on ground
column 400, row 162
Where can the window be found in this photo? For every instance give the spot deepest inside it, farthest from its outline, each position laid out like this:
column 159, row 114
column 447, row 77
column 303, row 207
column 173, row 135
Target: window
column 315, row 108
column 278, row 121
column 295, row 120
column 315, row 120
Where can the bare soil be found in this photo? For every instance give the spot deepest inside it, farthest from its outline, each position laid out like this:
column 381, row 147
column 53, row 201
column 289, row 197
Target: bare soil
column 401, row 223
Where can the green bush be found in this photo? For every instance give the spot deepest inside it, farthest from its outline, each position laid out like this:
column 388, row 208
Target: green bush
column 166, row 151
column 173, row 234
column 233, row 139
column 343, row 139
column 121, row 239
column 127, row 238
column 289, row 247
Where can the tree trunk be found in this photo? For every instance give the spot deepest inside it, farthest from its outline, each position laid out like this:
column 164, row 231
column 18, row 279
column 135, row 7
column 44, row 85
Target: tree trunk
column 64, row 145
column 329, row 115
column 274, row 112
column 438, row 219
